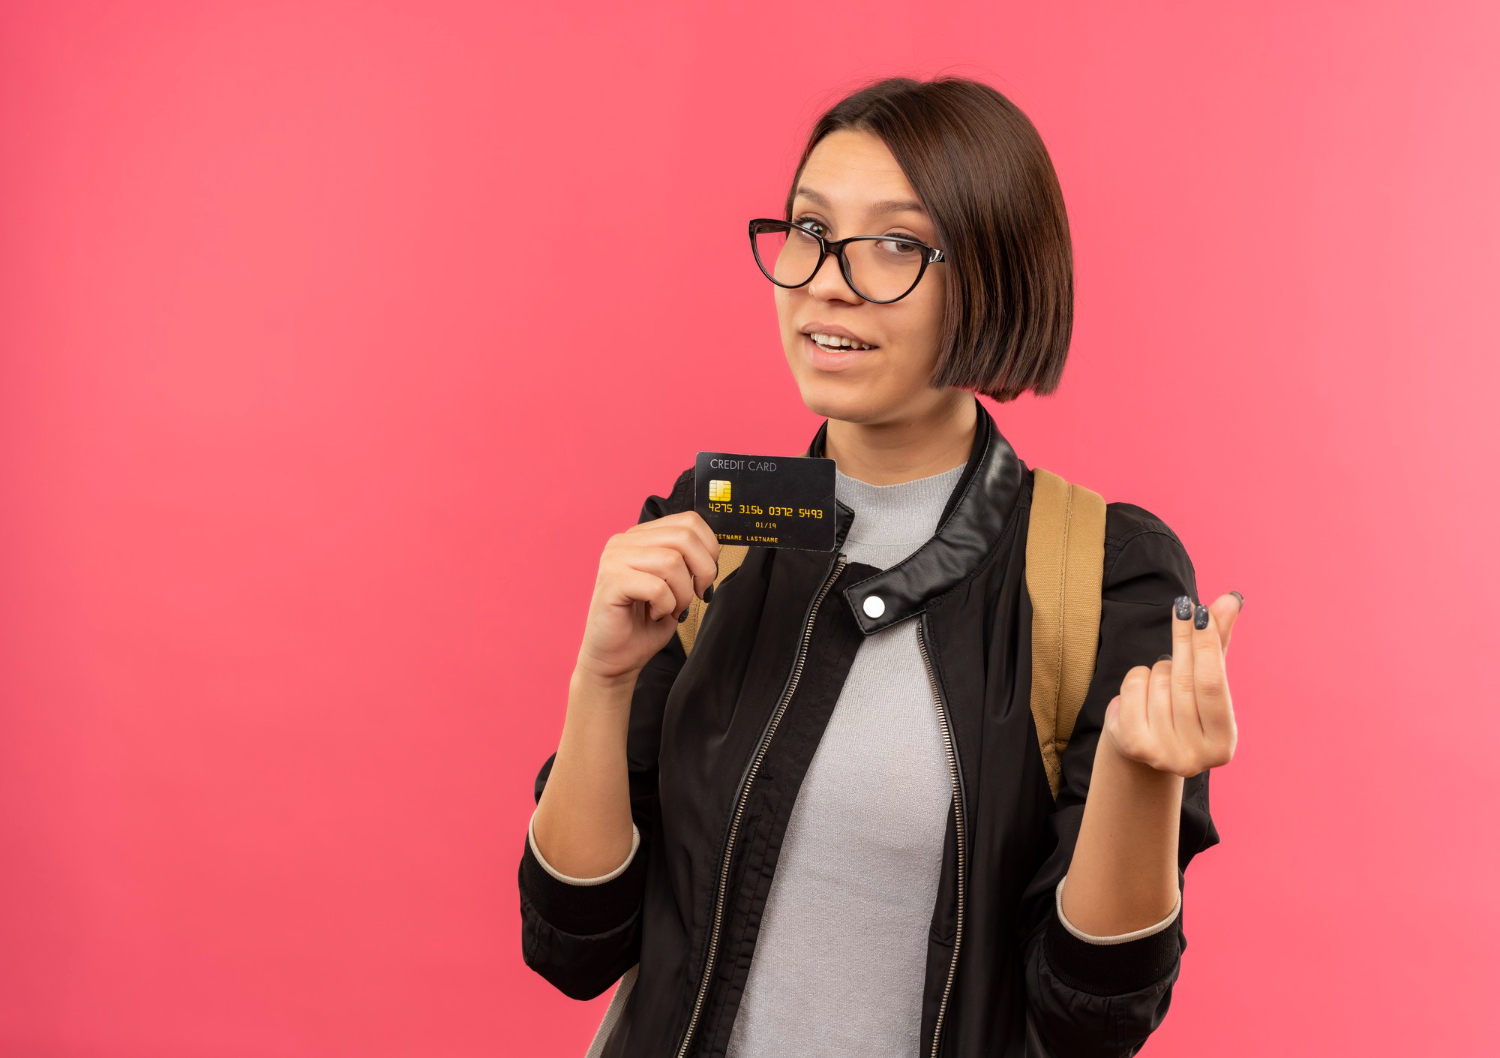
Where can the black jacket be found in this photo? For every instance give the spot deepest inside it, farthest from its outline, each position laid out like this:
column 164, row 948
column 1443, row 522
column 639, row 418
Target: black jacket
column 718, row 745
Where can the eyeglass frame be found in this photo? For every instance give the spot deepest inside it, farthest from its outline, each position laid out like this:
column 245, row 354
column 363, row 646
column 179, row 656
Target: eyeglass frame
column 930, row 255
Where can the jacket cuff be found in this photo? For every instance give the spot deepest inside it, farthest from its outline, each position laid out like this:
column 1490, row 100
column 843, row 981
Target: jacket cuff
column 1115, row 964
column 583, row 906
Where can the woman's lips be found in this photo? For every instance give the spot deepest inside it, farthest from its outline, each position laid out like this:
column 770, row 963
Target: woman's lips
column 828, row 360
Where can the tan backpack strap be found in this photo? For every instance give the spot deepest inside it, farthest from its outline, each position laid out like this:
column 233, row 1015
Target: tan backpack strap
column 730, row 557
column 1064, row 578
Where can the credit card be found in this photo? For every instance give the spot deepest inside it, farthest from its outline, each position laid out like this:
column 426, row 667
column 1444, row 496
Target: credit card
column 767, row 501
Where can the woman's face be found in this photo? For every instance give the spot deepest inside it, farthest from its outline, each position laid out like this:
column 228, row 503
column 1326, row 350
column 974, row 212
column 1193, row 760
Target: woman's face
column 851, row 185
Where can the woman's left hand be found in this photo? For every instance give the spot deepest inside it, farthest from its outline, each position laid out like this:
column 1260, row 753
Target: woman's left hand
column 1176, row 715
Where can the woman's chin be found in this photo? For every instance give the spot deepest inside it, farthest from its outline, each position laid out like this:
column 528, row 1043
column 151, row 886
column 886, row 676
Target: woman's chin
column 834, row 396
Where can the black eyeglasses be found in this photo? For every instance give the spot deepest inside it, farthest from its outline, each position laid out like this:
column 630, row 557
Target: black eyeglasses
column 888, row 266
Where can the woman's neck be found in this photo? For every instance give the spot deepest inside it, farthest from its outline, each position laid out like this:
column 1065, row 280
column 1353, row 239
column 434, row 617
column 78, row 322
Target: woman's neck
column 889, row 453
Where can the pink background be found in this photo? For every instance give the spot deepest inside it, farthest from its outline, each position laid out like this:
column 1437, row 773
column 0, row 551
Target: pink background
column 335, row 339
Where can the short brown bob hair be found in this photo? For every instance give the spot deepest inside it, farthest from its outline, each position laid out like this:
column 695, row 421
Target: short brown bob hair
column 979, row 166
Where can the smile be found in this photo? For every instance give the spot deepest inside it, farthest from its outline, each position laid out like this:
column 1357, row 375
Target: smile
column 833, row 359
column 835, row 341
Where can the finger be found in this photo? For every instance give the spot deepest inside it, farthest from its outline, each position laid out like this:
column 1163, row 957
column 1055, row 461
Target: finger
column 1185, row 720
column 692, row 519
column 1132, row 722
column 666, row 563
column 1210, row 685
column 1226, row 610
column 701, row 555
column 701, row 529
column 705, row 531
column 710, row 548
column 1182, row 663
column 655, row 595
column 1159, row 700
column 679, row 535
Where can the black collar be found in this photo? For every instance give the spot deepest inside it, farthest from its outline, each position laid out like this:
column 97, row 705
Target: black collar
column 976, row 516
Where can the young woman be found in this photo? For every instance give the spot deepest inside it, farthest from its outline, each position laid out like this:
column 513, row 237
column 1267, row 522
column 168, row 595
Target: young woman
column 829, row 830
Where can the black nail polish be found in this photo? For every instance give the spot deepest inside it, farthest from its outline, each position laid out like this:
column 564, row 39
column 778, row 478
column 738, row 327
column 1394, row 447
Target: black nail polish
column 1240, row 597
column 683, row 616
column 1165, row 657
column 708, row 593
column 1200, row 617
column 1184, row 607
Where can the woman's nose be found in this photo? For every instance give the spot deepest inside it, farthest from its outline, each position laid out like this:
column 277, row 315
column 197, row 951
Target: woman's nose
column 829, row 282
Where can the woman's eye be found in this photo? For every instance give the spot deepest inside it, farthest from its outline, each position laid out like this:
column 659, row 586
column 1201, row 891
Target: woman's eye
column 889, row 244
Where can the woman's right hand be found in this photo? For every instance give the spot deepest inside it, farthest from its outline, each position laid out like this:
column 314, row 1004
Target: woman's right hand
column 647, row 576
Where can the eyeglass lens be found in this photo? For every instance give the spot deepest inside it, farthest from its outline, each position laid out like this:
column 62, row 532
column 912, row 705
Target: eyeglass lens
column 881, row 269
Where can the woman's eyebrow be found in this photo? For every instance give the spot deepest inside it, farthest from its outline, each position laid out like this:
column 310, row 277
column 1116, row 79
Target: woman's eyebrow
column 891, row 205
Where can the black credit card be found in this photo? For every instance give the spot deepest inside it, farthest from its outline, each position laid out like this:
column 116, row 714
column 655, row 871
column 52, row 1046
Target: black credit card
column 766, row 501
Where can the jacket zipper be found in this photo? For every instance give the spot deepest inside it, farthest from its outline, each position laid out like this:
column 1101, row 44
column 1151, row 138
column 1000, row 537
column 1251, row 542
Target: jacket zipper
column 739, row 810
column 959, row 816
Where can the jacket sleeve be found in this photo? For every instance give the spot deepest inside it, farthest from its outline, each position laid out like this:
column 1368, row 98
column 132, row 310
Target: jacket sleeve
column 1103, row 996
column 583, row 934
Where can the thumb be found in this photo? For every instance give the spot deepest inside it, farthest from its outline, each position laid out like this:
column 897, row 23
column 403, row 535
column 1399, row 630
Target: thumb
column 1226, row 610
